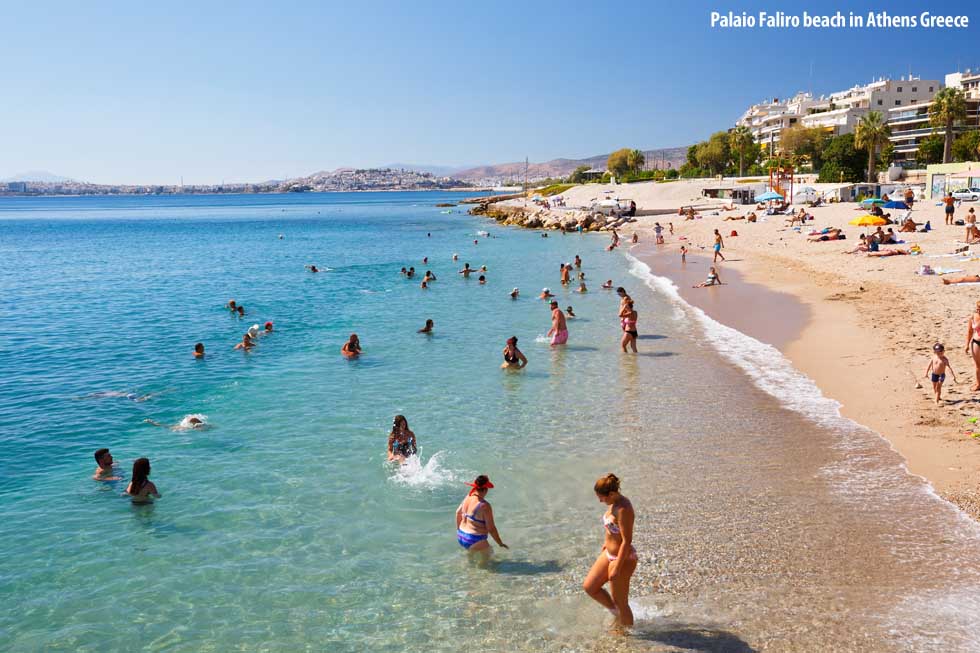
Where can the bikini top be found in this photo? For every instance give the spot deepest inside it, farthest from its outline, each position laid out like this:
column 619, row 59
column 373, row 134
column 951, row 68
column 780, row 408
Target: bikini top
column 510, row 358
column 472, row 515
column 609, row 524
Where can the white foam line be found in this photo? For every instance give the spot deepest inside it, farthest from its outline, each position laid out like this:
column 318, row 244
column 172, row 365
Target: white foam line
column 774, row 374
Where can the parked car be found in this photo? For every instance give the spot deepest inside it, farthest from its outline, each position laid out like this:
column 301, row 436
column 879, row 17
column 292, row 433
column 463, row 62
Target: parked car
column 972, row 194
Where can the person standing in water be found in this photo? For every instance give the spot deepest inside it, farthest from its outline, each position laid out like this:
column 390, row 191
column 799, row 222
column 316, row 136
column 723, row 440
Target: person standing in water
column 199, row 350
column 429, row 324
column 352, row 347
column 617, row 560
column 559, row 330
column 141, row 489
column 401, row 440
column 474, row 519
column 630, row 335
column 513, row 357
column 105, row 470
column 565, row 274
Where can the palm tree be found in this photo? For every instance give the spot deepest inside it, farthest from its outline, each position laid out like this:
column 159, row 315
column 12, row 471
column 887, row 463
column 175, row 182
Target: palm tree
column 948, row 108
column 635, row 160
column 871, row 131
column 740, row 140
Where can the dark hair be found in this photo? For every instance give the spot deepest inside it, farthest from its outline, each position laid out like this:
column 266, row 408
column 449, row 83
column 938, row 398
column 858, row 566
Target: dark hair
column 396, row 421
column 99, row 453
column 141, row 471
column 512, row 340
column 482, row 278
column 429, row 321
column 199, row 346
column 607, row 484
column 481, row 482
column 621, row 289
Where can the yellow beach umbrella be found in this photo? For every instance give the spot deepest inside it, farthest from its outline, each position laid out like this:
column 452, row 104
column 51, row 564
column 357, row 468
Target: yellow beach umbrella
column 869, row 221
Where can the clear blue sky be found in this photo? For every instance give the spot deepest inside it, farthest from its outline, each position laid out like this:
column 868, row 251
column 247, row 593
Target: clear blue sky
column 247, row 91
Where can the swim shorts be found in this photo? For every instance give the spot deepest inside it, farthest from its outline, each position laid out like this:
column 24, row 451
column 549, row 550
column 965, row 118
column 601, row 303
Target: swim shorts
column 560, row 337
column 717, row 247
column 938, row 378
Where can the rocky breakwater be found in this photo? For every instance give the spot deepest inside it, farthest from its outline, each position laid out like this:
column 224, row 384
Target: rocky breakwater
column 537, row 217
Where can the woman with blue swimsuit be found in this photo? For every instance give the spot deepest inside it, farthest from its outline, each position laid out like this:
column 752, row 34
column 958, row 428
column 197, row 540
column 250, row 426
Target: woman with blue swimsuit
column 401, row 440
column 474, row 519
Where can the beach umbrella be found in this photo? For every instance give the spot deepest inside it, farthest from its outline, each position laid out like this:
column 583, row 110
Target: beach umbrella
column 873, row 200
column 766, row 197
column 869, row 221
column 896, row 204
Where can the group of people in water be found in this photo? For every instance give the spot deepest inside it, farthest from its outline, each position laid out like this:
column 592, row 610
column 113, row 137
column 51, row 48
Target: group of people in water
column 140, row 489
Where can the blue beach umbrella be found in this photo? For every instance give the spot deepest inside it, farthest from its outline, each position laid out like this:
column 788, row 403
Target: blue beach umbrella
column 765, row 197
column 896, row 204
column 873, row 200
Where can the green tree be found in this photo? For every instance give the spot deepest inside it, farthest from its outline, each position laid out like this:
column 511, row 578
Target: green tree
column 741, row 142
column 965, row 146
column 578, row 175
column 715, row 153
column 948, row 108
column 635, row 160
column 887, row 154
column 841, row 156
column 804, row 143
column 930, row 150
column 692, row 155
column 618, row 162
column 871, row 131
column 671, row 174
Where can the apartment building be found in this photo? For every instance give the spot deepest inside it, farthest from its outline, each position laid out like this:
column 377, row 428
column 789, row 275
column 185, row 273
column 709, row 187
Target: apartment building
column 910, row 124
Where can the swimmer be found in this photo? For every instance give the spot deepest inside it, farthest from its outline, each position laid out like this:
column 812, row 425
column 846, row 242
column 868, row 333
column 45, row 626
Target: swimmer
column 545, row 294
column 428, row 327
column 411, row 272
column 401, row 440
column 513, row 357
column 607, row 285
column 199, row 350
column 476, row 242
column 404, row 271
column 569, row 312
column 578, row 261
column 429, row 276
column 455, row 257
column 352, row 347
column 515, row 293
column 141, row 489
column 466, row 271
column 241, row 311
column 425, row 260
column 312, row 268
column 712, row 280
column 581, row 276
column 246, row 343
column 474, row 520
column 565, row 273
column 280, row 236
column 482, row 280
column 617, row 560
column 187, row 423
column 268, row 328
column 424, row 285
column 483, row 268
column 582, row 288
column 231, row 305
column 104, row 471
column 630, row 335
column 558, row 330
column 253, row 332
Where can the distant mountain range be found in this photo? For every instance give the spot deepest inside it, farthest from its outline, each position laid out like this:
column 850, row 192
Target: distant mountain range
column 675, row 156
column 39, row 176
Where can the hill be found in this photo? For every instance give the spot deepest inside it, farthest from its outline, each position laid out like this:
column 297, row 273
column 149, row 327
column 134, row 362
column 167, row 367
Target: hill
column 675, row 156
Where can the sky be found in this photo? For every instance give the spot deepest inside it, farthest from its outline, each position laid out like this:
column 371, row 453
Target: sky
column 251, row 91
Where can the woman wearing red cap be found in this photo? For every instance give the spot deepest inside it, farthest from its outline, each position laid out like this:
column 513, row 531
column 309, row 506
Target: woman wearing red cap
column 474, row 519
column 617, row 561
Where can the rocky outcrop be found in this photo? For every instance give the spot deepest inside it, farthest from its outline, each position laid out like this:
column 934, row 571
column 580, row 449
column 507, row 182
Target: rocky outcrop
column 535, row 217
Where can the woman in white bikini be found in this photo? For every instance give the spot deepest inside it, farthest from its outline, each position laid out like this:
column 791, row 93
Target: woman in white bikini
column 973, row 342
column 617, row 561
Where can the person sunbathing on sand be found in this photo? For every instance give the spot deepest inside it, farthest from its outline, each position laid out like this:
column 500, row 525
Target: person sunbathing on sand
column 712, row 280
column 972, row 278
column 908, row 226
column 734, row 217
column 972, row 235
column 833, row 234
column 890, row 252
column 866, row 245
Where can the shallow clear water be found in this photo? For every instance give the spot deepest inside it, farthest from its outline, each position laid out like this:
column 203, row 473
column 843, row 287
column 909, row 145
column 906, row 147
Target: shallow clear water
column 762, row 524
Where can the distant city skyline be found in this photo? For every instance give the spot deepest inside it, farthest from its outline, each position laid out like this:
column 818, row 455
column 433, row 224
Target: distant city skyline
column 122, row 94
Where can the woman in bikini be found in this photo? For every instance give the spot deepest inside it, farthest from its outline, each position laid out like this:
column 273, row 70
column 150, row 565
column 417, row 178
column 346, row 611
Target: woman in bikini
column 513, row 357
column 352, row 348
column 141, row 489
column 973, row 342
column 629, row 316
column 401, row 440
column 617, row 560
column 474, row 519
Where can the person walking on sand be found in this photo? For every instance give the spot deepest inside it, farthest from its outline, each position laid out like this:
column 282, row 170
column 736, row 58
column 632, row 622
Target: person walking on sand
column 683, row 253
column 474, row 520
column 514, row 358
column 558, row 331
column 719, row 244
column 629, row 317
column 973, row 342
column 617, row 560
column 949, row 207
column 936, row 371
column 141, row 489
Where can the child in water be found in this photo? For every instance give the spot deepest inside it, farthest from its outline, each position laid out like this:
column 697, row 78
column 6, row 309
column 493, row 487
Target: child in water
column 936, row 371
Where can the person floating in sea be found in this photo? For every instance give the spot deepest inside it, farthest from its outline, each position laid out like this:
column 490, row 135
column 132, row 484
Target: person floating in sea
column 410, row 273
column 313, row 268
column 352, row 348
column 188, row 423
column 558, row 330
column 241, row 311
column 936, row 371
column 466, row 271
column 629, row 317
column 429, row 324
column 582, row 288
column 455, row 257
column 199, row 350
column 429, row 276
column 474, row 520
column 617, row 560
column 424, row 285
column 401, row 440
column 513, row 357
column 231, row 305
column 578, row 261
column 268, row 328
column 569, row 312
column 719, row 244
column 404, row 272
column 545, row 294
column 515, row 293
column 105, row 470
column 425, row 260
column 712, row 280
column 141, row 489
column 482, row 280
column 607, row 285
column 246, row 343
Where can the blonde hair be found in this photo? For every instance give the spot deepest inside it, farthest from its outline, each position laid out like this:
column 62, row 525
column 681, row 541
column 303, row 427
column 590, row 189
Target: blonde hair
column 607, row 484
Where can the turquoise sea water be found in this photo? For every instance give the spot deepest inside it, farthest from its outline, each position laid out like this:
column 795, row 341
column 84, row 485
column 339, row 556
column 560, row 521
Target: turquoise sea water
column 281, row 527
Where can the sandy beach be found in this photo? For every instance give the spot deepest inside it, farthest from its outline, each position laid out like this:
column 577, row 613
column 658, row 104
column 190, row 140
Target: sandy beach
column 862, row 327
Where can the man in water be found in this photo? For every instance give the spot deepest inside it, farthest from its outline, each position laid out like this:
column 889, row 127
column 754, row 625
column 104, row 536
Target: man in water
column 558, row 330
column 199, row 350
column 104, row 471
column 565, row 273
column 466, row 271
column 514, row 293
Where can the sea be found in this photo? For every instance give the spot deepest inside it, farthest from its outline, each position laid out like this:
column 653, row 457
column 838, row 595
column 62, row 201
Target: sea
column 765, row 520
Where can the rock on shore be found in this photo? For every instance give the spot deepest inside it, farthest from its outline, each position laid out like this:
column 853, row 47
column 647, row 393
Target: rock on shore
column 536, row 217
